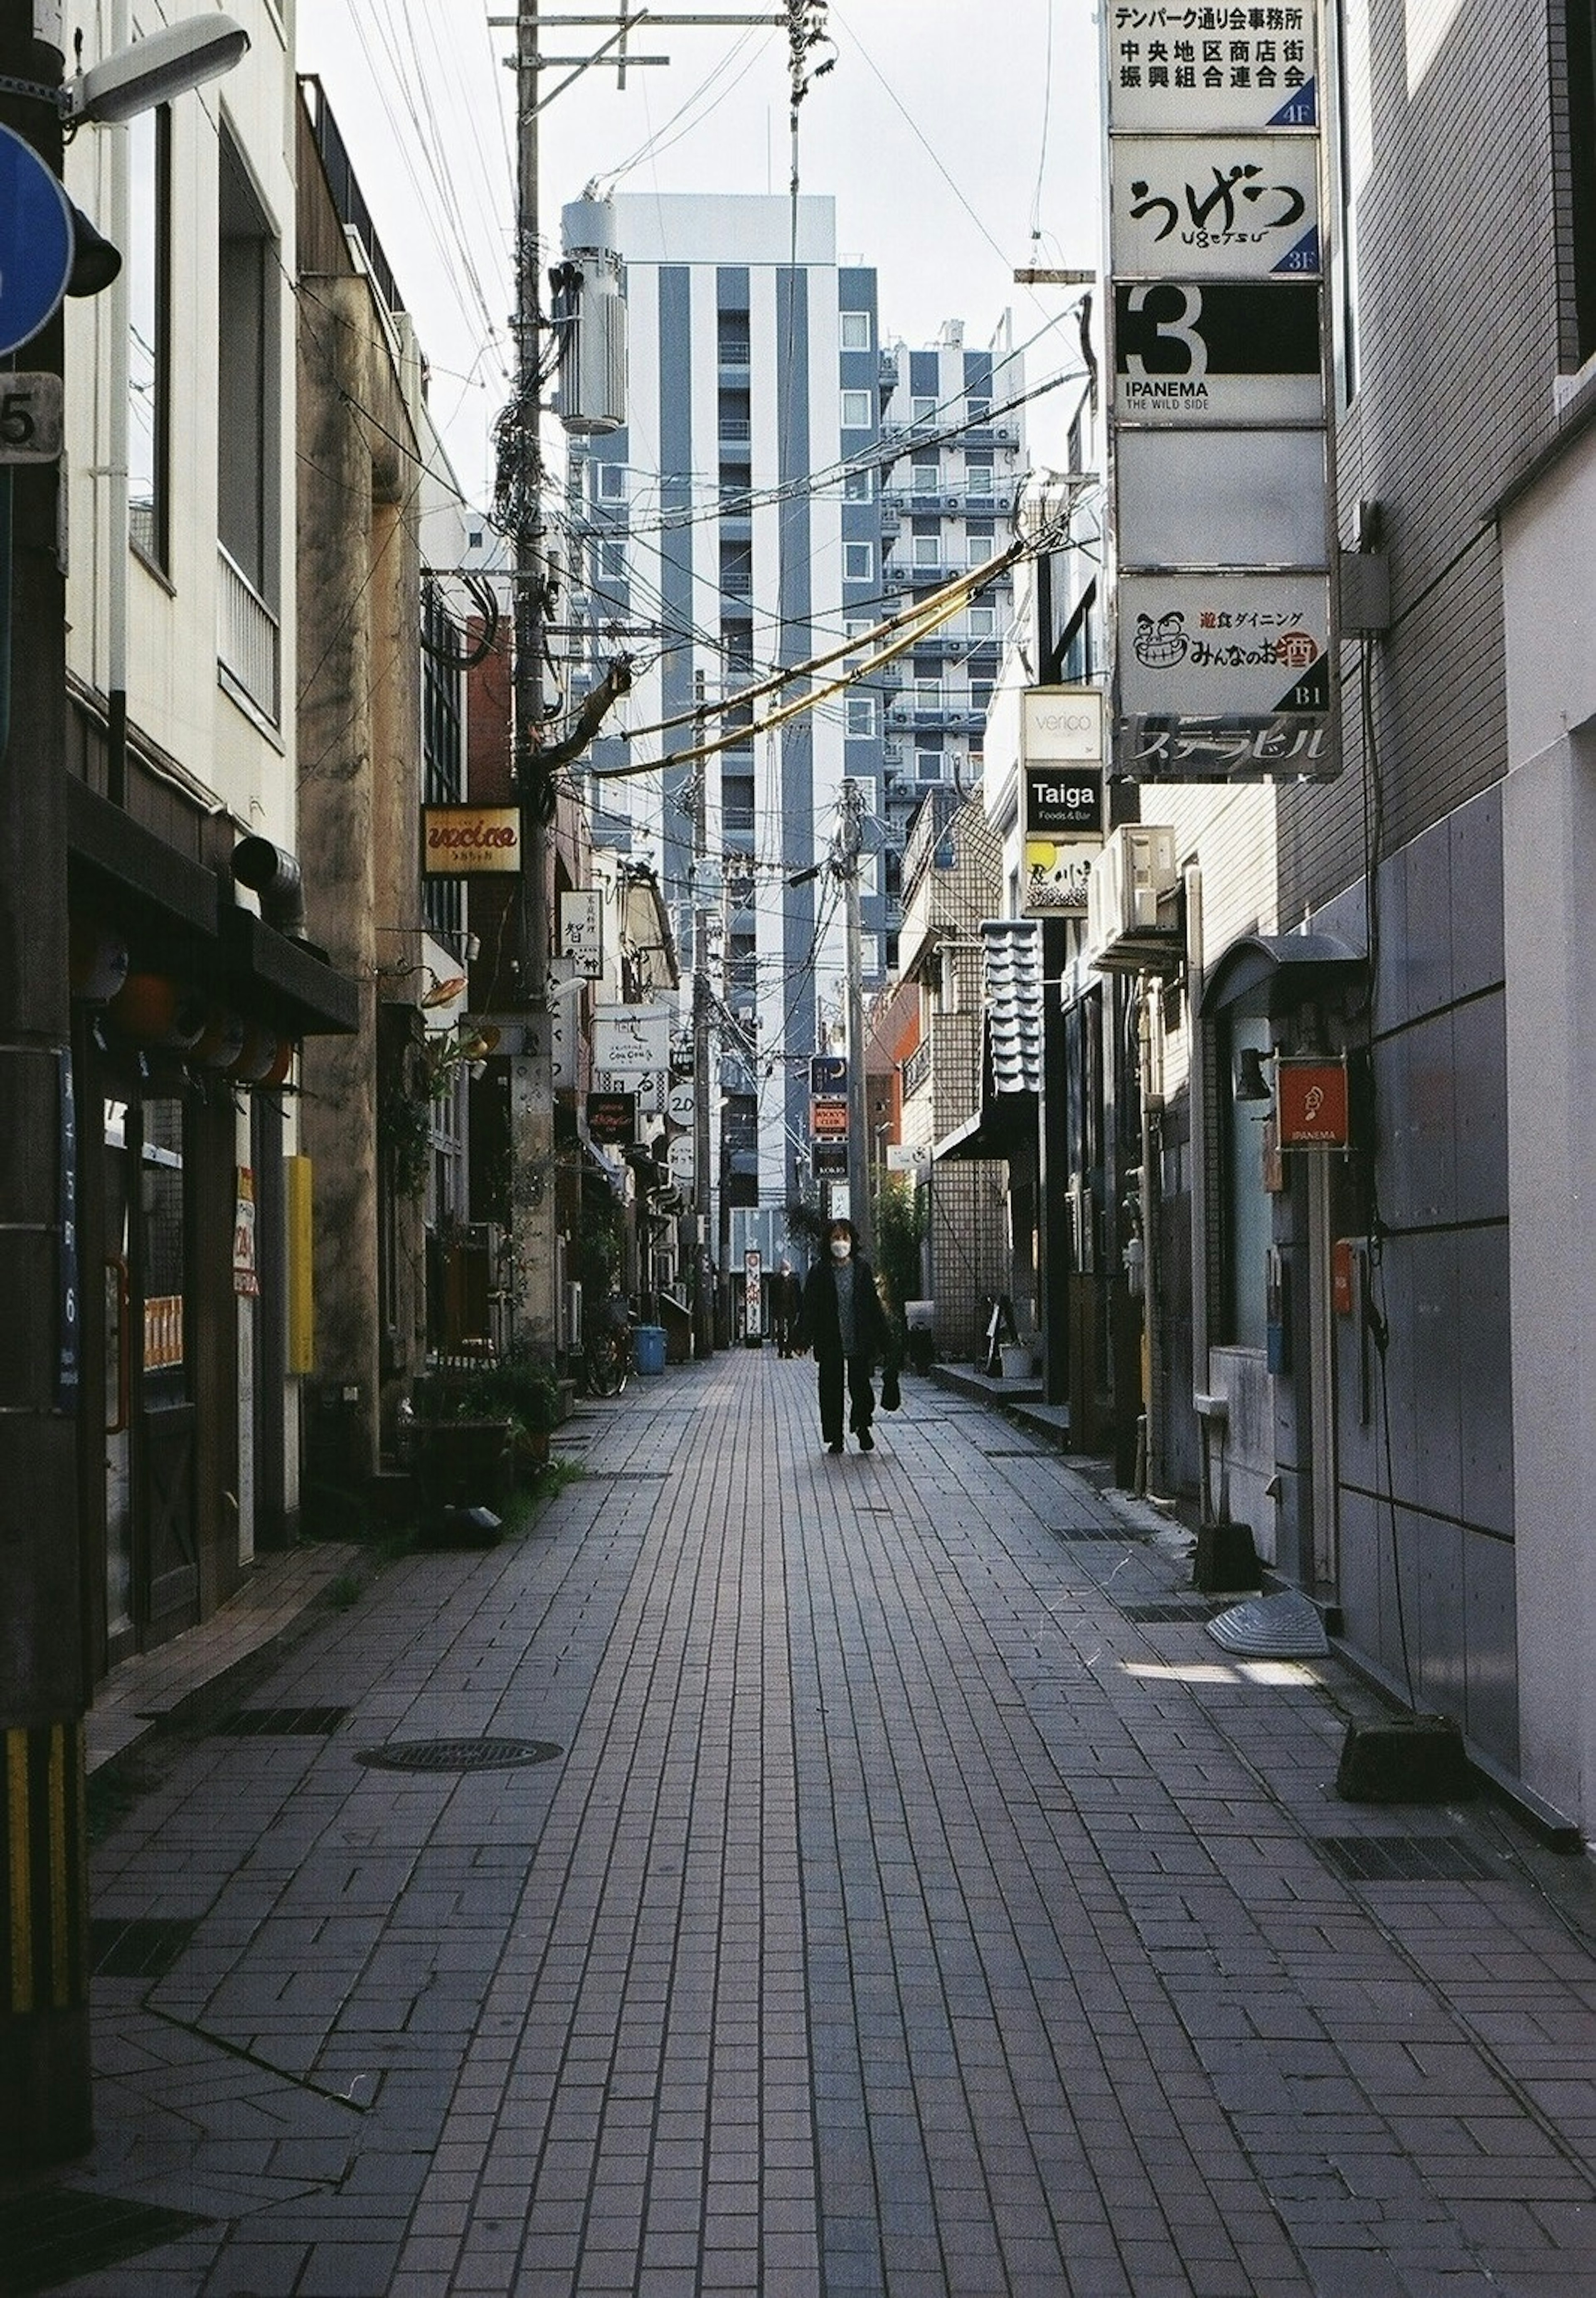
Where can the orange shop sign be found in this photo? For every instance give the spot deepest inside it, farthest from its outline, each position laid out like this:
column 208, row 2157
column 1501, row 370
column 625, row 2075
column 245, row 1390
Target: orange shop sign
column 828, row 1119
column 1312, row 1099
column 461, row 842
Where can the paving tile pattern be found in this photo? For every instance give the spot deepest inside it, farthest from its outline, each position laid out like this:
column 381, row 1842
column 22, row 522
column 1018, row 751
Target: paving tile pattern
column 913, row 1910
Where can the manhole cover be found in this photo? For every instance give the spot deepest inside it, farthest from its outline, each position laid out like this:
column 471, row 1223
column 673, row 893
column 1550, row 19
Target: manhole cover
column 458, row 1755
column 1403, row 1859
column 279, row 1723
column 1094, row 1532
column 53, row 2237
column 146, row 1948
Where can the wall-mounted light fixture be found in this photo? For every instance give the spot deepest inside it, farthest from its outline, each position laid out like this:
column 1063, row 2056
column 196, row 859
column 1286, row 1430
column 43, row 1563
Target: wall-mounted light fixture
column 1251, row 1083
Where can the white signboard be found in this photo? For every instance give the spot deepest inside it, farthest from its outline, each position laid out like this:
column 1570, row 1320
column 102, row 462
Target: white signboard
column 682, row 1102
column 631, row 1040
column 1212, row 67
column 581, row 930
column 679, row 1157
column 1223, row 645
column 1217, row 207
column 1065, row 722
column 906, row 1157
column 1225, row 499
column 1055, row 876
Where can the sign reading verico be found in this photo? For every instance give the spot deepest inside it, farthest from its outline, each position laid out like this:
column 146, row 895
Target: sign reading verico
column 459, row 841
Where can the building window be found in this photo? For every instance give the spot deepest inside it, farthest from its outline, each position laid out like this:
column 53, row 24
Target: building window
column 859, row 486
column 980, row 550
column 926, row 551
column 852, row 331
column 925, row 474
column 978, row 479
column 859, row 410
column 246, row 376
column 860, row 715
column 923, row 410
column 979, row 410
column 610, row 482
column 1579, row 32
column 982, row 622
column 859, row 562
column 149, row 309
column 928, row 766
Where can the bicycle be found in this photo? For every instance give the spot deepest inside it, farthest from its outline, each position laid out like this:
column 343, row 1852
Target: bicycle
column 606, row 1359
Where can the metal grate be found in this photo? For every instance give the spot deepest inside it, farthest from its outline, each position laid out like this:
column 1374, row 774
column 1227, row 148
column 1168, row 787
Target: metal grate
column 145, row 1947
column 1403, row 1859
column 1095, row 1532
column 53, row 2237
column 1167, row 1614
column 279, row 1723
column 1015, row 1453
column 458, row 1755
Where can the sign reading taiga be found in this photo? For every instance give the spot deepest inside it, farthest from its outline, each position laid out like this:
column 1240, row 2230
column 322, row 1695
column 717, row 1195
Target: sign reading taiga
column 461, row 841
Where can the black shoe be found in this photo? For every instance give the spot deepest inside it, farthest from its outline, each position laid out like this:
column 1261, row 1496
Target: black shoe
column 837, row 1447
column 866, row 1440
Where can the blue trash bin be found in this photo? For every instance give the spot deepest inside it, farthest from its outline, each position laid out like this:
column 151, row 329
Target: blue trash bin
column 650, row 1348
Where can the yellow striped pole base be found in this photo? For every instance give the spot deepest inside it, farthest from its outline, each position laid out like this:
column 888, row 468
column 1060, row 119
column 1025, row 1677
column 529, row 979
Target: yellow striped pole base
column 44, row 2086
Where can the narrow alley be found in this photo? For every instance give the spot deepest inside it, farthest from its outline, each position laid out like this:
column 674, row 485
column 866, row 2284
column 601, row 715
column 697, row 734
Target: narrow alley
column 779, row 1874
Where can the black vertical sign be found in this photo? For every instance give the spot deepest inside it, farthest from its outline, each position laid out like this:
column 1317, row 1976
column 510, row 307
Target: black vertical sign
column 70, row 1357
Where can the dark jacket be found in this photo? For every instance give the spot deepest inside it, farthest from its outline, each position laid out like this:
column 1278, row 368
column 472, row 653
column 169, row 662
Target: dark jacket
column 818, row 1328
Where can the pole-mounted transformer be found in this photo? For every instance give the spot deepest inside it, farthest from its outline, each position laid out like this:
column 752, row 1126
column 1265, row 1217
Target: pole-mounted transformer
column 590, row 313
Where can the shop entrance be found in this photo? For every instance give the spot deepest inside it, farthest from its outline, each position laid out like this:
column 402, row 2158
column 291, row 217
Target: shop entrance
column 152, row 1569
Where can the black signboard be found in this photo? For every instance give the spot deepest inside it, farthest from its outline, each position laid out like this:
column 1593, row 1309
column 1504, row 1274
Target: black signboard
column 1064, row 801
column 828, row 1075
column 1195, row 327
column 612, row 1118
column 830, row 1157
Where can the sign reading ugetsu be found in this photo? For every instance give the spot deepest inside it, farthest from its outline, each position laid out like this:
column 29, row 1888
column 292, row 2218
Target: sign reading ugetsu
column 463, row 841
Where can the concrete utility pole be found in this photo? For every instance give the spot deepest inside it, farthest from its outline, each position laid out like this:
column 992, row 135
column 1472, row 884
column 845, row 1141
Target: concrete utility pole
column 533, row 1196
column 850, row 807
column 533, row 1228
column 45, row 2082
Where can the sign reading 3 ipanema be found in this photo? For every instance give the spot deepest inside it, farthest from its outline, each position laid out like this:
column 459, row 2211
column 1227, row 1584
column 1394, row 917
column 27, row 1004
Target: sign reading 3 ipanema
column 1221, row 526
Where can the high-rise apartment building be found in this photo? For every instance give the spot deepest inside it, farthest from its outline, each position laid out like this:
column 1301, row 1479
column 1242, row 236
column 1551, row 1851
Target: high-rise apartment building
column 779, row 482
column 731, row 525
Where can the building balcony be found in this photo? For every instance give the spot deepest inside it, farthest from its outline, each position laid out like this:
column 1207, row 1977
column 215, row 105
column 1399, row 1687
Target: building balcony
column 954, row 713
column 247, row 639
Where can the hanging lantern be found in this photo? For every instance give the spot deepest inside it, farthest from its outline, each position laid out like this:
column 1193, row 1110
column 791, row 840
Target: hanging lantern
column 97, row 961
column 263, row 1059
column 221, row 1042
column 151, row 1009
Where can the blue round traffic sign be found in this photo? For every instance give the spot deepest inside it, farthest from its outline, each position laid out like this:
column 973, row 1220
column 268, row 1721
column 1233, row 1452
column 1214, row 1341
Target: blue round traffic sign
column 35, row 242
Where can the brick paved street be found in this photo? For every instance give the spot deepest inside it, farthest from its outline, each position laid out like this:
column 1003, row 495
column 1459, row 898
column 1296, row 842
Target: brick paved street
column 902, row 1914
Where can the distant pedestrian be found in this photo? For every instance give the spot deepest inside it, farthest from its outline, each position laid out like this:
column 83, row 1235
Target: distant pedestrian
column 844, row 1323
column 786, row 1305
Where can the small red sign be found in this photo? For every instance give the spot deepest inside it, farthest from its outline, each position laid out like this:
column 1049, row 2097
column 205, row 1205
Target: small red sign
column 612, row 1118
column 828, row 1119
column 1312, row 1099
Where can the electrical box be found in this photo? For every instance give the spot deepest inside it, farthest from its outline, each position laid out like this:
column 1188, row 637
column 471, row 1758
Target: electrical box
column 590, row 310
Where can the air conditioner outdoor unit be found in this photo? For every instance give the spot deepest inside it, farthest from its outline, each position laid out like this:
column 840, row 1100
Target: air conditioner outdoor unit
column 1135, row 871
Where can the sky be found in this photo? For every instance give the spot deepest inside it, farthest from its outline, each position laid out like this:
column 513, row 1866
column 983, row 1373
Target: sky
column 960, row 139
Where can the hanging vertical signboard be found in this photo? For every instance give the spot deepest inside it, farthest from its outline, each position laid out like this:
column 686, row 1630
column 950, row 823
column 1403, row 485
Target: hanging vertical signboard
column 1221, row 497
column 1061, row 796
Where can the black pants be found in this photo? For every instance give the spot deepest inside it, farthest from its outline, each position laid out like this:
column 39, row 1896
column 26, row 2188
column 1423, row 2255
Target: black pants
column 861, row 1395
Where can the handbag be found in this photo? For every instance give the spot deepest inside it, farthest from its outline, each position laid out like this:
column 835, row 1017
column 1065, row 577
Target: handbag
column 892, row 1395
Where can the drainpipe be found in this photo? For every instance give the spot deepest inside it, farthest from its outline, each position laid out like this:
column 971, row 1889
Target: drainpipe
column 119, row 319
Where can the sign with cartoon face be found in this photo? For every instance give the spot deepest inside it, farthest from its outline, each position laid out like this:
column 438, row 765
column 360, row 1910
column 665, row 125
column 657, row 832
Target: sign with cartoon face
column 1227, row 643
column 1214, row 207
column 1211, row 68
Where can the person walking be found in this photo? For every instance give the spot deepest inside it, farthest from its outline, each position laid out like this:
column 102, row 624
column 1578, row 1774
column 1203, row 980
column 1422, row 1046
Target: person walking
column 786, row 1300
column 843, row 1322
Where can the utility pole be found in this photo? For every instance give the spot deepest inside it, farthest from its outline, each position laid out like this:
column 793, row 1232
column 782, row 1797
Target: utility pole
column 44, row 2081
column 702, row 1051
column 533, row 1196
column 850, row 817
column 533, row 1226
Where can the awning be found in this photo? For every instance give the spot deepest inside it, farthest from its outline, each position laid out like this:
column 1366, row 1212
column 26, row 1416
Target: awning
column 1004, row 1127
column 1275, row 973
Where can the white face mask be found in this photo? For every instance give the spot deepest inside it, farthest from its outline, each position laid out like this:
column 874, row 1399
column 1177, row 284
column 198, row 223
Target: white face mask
column 840, row 1248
